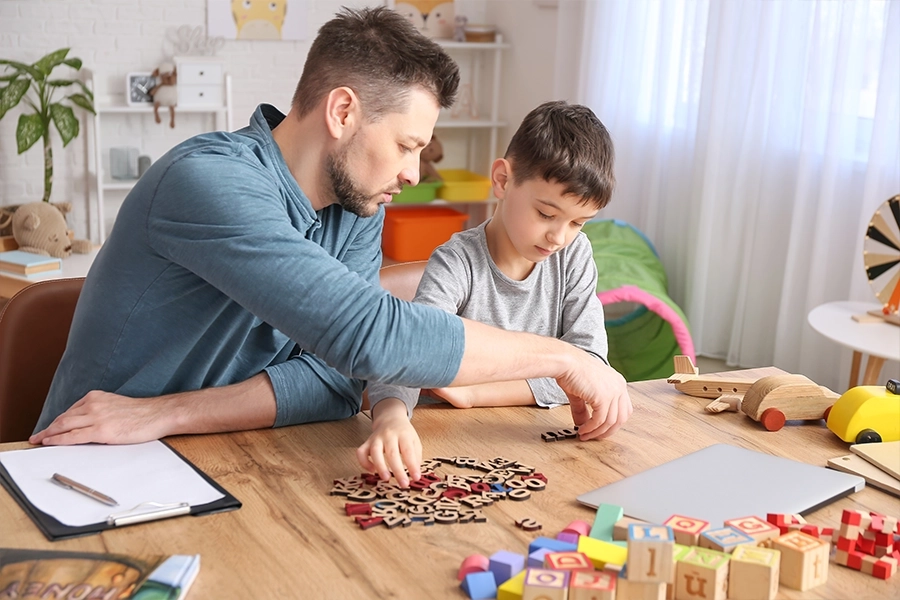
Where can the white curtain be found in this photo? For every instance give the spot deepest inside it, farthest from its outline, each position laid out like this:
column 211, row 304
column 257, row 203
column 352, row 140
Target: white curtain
column 754, row 140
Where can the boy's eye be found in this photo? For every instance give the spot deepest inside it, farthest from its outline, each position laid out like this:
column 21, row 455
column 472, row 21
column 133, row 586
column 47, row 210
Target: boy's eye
column 577, row 224
column 545, row 216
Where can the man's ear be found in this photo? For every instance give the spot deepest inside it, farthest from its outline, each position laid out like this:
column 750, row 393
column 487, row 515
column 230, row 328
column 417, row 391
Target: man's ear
column 342, row 112
column 501, row 171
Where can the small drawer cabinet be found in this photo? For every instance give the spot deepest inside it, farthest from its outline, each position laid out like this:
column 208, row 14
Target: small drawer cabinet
column 201, row 81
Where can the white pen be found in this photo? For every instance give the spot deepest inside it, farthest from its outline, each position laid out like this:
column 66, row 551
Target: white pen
column 70, row 484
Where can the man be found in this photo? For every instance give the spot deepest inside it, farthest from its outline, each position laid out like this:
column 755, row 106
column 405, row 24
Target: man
column 238, row 288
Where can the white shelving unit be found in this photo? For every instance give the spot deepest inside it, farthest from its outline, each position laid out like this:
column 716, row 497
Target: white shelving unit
column 112, row 111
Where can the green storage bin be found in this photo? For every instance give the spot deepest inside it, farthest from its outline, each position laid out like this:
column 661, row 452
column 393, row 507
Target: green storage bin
column 418, row 194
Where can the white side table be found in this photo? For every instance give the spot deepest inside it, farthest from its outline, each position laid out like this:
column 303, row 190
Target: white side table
column 75, row 265
column 881, row 341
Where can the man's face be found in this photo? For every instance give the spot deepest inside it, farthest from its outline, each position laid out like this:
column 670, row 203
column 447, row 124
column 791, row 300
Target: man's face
column 383, row 156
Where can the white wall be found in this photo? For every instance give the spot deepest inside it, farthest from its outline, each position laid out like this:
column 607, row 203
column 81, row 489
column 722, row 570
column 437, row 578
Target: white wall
column 115, row 37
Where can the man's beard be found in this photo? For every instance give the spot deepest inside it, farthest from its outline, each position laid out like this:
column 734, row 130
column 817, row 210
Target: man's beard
column 348, row 194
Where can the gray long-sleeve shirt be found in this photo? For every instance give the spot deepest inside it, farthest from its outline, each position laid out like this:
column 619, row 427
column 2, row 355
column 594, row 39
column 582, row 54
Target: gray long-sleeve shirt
column 218, row 268
column 557, row 299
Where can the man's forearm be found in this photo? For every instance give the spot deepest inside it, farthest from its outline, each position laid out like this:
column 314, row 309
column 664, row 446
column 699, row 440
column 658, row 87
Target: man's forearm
column 494, row 354
column 246, row 405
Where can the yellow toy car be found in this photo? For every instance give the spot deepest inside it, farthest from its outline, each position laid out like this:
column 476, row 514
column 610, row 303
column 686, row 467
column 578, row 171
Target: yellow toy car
column 867, row 413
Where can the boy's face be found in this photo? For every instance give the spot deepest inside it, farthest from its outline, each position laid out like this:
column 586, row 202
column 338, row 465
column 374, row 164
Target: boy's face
column 539, row 218
column 382, row 156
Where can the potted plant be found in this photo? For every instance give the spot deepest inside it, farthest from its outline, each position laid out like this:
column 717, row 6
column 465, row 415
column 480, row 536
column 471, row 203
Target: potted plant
column 15, row 83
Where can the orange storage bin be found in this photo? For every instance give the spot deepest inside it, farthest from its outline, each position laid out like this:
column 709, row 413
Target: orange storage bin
column 412, row 233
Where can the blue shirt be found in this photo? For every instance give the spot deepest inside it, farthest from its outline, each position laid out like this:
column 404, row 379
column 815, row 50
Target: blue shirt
column 218, row 268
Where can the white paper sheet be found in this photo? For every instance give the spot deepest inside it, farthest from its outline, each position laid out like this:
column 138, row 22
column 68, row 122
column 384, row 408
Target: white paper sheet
column 131, row 475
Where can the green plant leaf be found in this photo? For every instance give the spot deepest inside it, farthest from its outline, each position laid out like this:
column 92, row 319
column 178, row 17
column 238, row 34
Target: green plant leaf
column 28, row 131
column 11, row 94
column 82, row 101
column 9, row 77
column 60, row 82
column 35, row 73
column 86, row 91
column 73, row 62
column 47, row 63
column 65, row 121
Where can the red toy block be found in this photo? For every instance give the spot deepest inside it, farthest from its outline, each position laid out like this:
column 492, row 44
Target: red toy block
column 580, row 527
column 366, row 523
column 866, row 546
column 846, row 544
column 885, row 568
column 357, row 509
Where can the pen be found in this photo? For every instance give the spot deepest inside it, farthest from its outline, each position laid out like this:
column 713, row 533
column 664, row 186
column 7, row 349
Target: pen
column 67, row 483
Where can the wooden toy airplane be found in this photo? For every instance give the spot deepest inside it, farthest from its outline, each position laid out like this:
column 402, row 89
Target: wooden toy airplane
column 770, row 400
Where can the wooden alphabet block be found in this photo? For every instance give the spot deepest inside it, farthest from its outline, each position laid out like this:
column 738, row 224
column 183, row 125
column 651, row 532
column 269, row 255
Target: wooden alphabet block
column 678, row 553
column 620, row 530
column 755, row 527
column 602, row 553
column 512, row 588
column 592, row 585
column 568, row 561
column 605, row 521
column 528, row 524
column 545, row 584
column 650, row 551
column 702, row 574
column 754, row 573
column 804, row 560
column 626, row 589
column 505, row 564
column 725, row 539
column 686, row 529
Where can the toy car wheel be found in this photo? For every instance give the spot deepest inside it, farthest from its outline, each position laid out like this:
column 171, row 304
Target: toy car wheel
column 827, row 412
column 772, row 419
column 868, row 436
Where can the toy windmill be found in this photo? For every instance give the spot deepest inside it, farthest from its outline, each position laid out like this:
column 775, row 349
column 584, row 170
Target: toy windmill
column 881, row 255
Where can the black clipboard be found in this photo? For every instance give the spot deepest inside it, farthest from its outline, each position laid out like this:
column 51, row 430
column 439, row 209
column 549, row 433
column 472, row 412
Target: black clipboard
column 54, row 530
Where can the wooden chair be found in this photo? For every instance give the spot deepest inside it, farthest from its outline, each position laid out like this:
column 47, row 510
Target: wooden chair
column 34, row 329
column 402, row 279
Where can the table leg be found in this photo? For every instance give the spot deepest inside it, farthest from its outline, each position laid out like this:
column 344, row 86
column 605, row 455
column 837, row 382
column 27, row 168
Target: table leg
column 873, row 370
column 854, row 368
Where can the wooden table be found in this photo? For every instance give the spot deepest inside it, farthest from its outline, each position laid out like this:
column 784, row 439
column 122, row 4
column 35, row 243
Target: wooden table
column 292, row 540
column 76, row 265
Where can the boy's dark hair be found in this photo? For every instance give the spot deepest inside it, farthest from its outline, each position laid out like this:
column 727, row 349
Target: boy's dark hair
column 568, row 144
column 378, row 54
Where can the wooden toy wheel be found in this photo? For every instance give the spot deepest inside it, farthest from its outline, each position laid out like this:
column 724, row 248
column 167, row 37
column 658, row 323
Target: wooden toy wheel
column 772, row 419
column 827, row 412
column 881, row 254
column 868, row 436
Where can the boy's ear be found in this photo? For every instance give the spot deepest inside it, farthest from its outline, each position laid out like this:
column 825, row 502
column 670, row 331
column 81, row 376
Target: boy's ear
column 501, row 171
column 342, row 112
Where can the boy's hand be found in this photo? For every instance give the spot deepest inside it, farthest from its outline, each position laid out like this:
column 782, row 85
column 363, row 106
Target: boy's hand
column 393, row 444
column 598, row 398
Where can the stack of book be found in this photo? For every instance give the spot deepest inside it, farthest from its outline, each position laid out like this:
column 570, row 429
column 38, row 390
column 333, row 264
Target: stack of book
column 27, row 264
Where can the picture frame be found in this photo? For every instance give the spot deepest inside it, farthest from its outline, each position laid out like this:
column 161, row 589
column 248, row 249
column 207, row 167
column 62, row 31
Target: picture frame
column 137, row 87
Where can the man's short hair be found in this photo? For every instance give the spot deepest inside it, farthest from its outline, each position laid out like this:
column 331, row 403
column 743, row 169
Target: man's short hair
column 565, row 143
column 378, row 54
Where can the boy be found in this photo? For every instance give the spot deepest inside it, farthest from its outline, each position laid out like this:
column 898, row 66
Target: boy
column 529, row 268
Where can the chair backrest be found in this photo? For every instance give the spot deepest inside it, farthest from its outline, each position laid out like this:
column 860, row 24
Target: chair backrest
column 402, row 279
column 34, row 329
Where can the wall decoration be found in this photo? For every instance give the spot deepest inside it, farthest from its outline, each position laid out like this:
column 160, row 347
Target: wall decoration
column 434, row 18
column 257, row 19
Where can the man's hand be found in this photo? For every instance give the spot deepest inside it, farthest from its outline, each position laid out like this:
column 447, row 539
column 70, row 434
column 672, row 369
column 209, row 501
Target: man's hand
column 598, row 398
column 106, row 418
column 393, row 444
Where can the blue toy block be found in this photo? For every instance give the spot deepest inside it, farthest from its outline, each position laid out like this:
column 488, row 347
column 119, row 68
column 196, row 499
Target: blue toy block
column 554, row 545
column 505, row 564
column 536, row 558
column 480, row 585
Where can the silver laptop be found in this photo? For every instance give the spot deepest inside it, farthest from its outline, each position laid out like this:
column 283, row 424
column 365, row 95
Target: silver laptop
column 724, row 482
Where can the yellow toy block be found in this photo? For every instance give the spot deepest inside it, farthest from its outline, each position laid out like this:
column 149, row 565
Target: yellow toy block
column 601, row 552
column 512, row 589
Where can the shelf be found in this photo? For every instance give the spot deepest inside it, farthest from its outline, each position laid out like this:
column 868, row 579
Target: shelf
column 125, row 109
column 123, row 184
column 451, row 123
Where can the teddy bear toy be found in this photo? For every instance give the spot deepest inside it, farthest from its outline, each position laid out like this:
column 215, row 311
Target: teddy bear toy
column 164, row 93
column 40, row 228
column 431, row 153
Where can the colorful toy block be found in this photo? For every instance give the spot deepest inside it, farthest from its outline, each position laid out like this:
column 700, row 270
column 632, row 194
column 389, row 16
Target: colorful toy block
column 804, row 560
column 480, row 585
column 554, row 545
column 638, row 590
column 602, row 553
column 605, row 521
column 650, row 552
column 755, row 527
column 568, row 561
column 620, row 530
column 702, row 574
column 545, row 584
column 568, row 537
column 512, row 588
column 473, row 564
column 725, row 539
column 754, row 573
column 686, row 529
column 579, row 527
column 504, row 564
column 536, row 558
column 592, row 585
